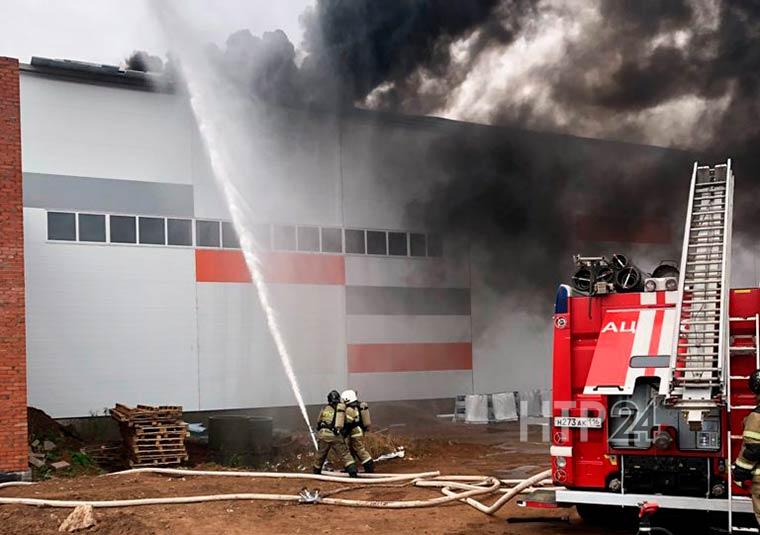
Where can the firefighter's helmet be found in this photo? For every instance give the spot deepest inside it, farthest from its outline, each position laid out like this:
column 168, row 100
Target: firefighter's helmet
column 349, row 396
column 333, row 398
column 754, row 382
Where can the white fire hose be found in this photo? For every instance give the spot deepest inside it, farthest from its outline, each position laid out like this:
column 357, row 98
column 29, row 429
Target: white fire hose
column 467, row 486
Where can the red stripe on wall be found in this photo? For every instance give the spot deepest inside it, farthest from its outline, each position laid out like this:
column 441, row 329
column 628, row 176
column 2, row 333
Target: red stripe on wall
column 218, row 265
column 368, row 358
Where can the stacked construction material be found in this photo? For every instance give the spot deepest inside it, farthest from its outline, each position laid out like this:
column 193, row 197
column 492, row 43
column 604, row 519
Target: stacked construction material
column 108, row 455
column 153, row 436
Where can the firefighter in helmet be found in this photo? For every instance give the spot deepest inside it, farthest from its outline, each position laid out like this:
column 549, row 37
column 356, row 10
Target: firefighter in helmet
column 746, row 469
column 357, row 423
column 330, row 434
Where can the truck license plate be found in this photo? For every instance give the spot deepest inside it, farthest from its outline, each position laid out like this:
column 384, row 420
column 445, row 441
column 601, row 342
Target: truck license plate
column 569, row 421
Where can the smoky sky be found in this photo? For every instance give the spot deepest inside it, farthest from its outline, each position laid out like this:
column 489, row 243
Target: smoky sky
column 678, row 73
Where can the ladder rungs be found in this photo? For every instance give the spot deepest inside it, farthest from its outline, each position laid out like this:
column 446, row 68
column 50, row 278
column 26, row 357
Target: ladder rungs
column 696, row 213
column 710, row 184
column 703, row 281
column 702, row 262
column 696, row 345
column 704, row 228
column 702, row 301
column 700, row 322
column 739, row 377
column 743, row 407
column 751, row 318
column 696, row 369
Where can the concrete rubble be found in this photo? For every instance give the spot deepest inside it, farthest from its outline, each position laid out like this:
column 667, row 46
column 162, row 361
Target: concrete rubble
column 82, row 517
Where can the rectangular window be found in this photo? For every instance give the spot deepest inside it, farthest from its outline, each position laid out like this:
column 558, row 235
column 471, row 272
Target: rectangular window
column 434, row 245
column 179, row 232
column 207, row 233
column 355, row 241
column 262, row 236
column 61, row 226
column 397, row 243
column 308, row 239
column 92, row 227
column 229, row 236
column 284, row 237
column 376, row 243
column 332, row 240
column 152, row 230
column 123, row 229
column 417, row 244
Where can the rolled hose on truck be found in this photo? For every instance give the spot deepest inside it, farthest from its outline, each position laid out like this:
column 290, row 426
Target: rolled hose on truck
column 454, row 488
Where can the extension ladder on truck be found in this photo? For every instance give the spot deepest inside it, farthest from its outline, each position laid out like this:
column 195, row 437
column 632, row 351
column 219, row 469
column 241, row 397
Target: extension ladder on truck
column 744, row 355
column 697, row 374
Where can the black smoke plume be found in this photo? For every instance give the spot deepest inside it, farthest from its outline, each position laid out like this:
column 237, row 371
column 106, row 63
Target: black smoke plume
column 141, row 61
column 624, row 67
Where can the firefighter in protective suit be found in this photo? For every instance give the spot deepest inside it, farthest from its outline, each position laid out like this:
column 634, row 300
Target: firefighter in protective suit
column 746, row 469
column 357, row 423
column 330, row 434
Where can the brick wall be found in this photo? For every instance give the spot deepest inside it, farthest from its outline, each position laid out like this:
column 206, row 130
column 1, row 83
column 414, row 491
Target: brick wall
column 13, row 440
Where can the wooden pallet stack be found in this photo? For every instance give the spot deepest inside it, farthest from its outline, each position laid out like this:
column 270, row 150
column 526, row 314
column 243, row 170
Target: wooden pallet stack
column 153, row 436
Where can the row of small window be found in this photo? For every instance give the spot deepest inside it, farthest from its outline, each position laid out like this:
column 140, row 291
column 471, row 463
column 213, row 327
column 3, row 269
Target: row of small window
column 350, row 241
column 67, row 226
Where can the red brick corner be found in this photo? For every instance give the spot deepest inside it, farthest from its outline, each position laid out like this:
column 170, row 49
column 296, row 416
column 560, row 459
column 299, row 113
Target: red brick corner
column 13, row 433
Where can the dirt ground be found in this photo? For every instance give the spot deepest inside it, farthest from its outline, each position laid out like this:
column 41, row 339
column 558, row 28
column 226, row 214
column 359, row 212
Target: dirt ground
column 450, row 448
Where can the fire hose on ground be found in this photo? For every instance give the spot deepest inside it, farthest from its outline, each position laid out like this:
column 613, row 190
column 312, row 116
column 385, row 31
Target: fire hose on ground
column 455, row 488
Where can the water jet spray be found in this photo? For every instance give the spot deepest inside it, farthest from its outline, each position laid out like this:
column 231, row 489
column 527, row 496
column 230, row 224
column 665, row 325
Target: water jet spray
column 202, row 97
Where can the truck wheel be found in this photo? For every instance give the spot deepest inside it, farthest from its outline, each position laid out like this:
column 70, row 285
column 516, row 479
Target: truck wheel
column 607, row 515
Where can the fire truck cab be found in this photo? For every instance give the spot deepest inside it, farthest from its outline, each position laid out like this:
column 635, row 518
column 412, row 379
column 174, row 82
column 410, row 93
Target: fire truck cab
column 650, row 384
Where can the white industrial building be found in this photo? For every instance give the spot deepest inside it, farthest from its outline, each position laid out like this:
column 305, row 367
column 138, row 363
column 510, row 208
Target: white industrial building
column 136, row 288
column 137, row 291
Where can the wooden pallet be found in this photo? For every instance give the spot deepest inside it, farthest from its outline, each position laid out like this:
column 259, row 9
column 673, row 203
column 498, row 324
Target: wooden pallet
column 159, row 429
column 157, row 461
column 160, row 450
column 108, row 454
column 153, row 436
column 136, row 441
column 145, row 414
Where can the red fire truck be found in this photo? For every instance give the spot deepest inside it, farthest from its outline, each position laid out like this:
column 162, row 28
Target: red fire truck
column 650, row 373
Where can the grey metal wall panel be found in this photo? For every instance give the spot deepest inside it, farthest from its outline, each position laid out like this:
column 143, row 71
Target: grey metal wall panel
column 395, row 300
column 398, row 329
column 63, row 192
